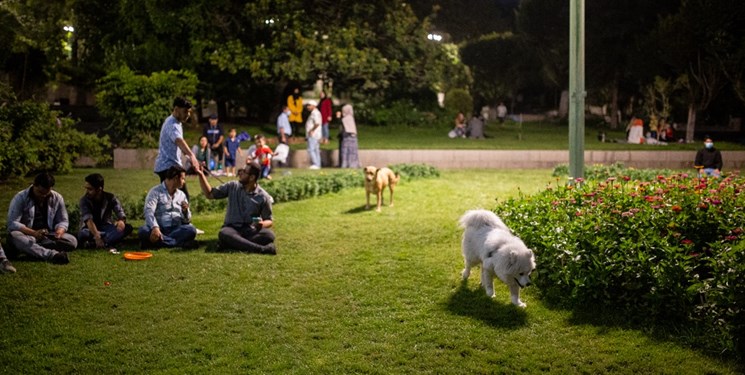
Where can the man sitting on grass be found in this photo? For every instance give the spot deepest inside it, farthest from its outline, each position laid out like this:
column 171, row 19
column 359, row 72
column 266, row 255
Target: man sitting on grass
column 248, row 218
column 37, row 222
column 167, row 214
column 102, row 219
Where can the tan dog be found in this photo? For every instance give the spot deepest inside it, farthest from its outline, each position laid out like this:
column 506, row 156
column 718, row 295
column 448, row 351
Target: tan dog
column 376, row 179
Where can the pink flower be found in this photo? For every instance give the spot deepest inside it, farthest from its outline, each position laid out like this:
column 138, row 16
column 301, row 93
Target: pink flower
column 686, row 242
column 627, row 214
column 626, row 178
column 578, row 213
column 730, row 238
column 610, row 179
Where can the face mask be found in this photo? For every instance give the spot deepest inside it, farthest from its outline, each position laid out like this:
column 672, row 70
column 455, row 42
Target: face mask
column 709, row 145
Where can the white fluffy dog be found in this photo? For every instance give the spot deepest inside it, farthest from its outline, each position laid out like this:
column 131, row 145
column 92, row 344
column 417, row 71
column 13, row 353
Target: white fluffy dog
column 488, row 242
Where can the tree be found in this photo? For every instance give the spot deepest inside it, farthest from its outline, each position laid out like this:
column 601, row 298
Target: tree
column 688, row 41
column 31, row 43
column 503, row 66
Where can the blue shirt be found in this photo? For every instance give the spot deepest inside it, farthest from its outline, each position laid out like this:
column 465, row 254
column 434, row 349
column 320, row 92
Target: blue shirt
column 283, row 122
column 168, row 152
column 164, row 210
column 232, row 145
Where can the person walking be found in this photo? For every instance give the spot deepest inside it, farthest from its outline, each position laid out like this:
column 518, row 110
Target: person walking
column 313, row 134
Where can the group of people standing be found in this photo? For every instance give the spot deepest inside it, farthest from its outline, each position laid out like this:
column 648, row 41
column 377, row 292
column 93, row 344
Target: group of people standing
column 320, row 115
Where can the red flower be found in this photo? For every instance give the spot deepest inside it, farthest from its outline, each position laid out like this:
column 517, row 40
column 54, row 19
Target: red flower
column 730, row 238
column 676, row 208
column 686, row 242
column 626, row 178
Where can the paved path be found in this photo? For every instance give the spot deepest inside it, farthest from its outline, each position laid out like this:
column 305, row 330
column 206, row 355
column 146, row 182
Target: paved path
column 497, row 159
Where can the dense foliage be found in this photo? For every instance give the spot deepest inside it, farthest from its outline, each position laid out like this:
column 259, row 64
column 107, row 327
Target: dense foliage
column 600, row 172
column 658, row 252
column 136, row 105
column 35, row 139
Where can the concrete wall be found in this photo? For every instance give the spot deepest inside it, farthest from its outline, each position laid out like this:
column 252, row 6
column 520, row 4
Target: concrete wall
column 496, row 159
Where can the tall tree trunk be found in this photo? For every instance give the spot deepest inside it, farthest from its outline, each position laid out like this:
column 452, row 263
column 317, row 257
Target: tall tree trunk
column 691, row 125
column 614, row 106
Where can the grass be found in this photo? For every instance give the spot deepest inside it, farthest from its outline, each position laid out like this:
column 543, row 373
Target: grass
column 351, row 291
column 508, row 136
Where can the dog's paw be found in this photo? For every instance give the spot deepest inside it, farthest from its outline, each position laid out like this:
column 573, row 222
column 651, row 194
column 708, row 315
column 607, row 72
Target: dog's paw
column 520, row 304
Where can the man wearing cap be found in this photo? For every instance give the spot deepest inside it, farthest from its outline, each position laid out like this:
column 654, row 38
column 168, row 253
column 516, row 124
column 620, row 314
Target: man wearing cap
column 248, row 218
column 215, row 137
column 172, row 140
column 313, row 134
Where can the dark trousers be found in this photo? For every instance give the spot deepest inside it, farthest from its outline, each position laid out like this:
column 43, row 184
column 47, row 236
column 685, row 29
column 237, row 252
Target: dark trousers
column 244, row 238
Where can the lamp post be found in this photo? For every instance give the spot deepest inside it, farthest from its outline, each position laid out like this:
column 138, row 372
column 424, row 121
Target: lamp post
column 576, row 88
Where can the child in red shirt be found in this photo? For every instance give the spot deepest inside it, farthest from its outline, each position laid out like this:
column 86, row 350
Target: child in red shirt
column 263, row 156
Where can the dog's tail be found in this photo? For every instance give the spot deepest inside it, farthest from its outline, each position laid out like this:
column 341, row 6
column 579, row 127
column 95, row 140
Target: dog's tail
column 475, row 219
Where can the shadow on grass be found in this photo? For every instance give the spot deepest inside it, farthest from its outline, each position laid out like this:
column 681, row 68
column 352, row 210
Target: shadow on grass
column 476, row 304
column 356, row 210
column 658, row 329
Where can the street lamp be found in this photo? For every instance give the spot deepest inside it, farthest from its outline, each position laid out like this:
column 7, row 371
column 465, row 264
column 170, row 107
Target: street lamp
column 434, row 37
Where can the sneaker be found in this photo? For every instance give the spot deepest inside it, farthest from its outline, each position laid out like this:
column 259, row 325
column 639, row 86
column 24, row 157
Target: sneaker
column 7, row 267
column 60, row 258
column 314, row 167
column 270, row 249
column 190, row 245
column 199, row 231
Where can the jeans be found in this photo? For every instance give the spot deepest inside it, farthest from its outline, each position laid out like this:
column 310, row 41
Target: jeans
column 172, row 236
column 109, row 234
column 314, row 150
column 44, row 248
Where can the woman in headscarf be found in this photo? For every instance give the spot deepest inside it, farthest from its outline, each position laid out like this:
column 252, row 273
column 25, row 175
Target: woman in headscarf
column 348, row 149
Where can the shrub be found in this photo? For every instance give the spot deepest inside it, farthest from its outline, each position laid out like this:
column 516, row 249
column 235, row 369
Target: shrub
column 36, row 139
column 668, row 250
column 601, row 172
column 136, row 104
column 459, row 100
column 400, row 112
column 415, row 171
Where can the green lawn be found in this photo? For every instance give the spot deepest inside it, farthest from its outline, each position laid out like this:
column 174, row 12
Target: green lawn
column 351, row 291
column 508, row 136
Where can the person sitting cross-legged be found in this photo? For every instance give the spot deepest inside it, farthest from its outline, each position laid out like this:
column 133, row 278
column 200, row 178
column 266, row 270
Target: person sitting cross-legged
column 102, row 219
column 167, row 214
column 248, row 218
column 38, row 222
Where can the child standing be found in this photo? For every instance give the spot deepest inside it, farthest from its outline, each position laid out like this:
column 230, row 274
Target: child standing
column 263, row 156
column 232, row 147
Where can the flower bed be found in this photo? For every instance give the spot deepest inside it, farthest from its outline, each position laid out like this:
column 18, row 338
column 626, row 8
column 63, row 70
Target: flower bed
column 664, row 251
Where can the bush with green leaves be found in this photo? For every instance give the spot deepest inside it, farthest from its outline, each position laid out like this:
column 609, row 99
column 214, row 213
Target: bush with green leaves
column 136, row 105
column 35, row 139
column 459, row 100
column 668, row 250
column 415, row 171
column 399, row 112
column 601, row 172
